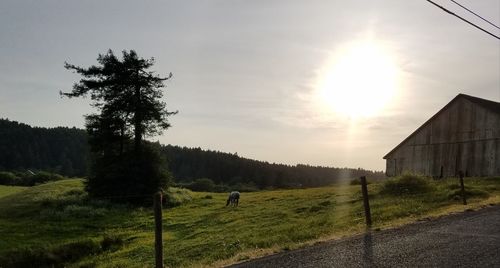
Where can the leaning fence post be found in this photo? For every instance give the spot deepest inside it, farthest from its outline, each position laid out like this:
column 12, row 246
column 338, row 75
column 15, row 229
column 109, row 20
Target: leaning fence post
column 366, row 203
column 461, row 175
column 158, row 231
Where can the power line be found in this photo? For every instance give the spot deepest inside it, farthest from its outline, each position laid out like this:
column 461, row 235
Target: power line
column 477, row 15
column 451, row 13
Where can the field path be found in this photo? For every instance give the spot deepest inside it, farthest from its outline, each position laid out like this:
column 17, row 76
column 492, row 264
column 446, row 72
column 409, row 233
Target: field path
column 469, row 239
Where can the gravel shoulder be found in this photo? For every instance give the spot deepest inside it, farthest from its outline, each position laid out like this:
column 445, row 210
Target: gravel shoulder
column 468, row 239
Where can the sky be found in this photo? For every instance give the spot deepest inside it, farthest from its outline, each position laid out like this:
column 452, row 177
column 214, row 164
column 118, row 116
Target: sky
column 331, row 83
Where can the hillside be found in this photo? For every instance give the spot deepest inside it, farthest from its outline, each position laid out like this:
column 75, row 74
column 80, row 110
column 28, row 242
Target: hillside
column 55, row 223
column 65, row 151
column 8, row 190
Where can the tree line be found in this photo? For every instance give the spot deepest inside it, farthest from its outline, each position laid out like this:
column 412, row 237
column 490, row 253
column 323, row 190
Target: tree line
column 188, row 164
column 66, row 151
column 61, row 150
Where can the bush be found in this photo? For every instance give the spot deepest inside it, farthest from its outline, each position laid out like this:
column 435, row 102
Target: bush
column 7, row 178
column 55, row 212
column 207, row 185
column 74, row 203
column 111, row 242
column 357, row 181
column 129, row 178
column 27, row 257
column 456, row 194
column 406, row 184
column 174, row 197
column 84, row 212
column 42, row 177
column 202, row 185
column 59, row 256
column 75, row 251
column 221, row 188
column 50, row 257
column 59, row 200
column 28, row 179
column 244, row 187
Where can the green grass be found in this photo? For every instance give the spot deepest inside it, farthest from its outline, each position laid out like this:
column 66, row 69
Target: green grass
column 7, row 190
column 200, row 231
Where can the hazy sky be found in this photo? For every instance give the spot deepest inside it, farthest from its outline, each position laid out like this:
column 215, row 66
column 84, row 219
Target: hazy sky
column 247, row 73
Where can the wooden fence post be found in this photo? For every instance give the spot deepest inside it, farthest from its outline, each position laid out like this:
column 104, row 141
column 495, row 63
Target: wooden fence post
column 462, row 187
column 158, row 231
column 366, row 203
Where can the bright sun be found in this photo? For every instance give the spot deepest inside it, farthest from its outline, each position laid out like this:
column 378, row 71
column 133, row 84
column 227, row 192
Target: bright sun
column 359, row 82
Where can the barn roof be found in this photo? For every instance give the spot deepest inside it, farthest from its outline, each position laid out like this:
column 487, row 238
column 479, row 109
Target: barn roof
column 487, row 104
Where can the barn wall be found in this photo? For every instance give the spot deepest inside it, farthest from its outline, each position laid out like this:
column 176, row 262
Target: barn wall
column 464, row 137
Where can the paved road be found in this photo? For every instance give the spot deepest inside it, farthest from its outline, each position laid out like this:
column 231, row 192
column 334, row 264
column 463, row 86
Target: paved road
column 469, row 239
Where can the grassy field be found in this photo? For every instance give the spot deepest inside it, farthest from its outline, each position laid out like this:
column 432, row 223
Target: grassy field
column 57, row 222
column 7, row 190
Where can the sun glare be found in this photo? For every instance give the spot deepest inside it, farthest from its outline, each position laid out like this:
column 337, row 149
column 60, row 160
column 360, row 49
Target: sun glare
column 358, row 82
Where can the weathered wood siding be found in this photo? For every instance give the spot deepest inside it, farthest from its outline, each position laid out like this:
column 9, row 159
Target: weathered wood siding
column 465, row 136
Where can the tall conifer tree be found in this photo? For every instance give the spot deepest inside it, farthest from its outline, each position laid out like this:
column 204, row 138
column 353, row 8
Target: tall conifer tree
column 128, row 97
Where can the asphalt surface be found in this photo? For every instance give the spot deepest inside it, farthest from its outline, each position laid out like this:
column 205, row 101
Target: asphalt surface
column 469, row 239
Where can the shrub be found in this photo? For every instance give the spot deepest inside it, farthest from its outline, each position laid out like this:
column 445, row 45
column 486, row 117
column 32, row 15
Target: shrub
column 50, row 257
column 111, row 242
column 42, row 177
column 202, row 185
column 207, row 185
column 76, row 250
column 7, row 178
column 456, row 194
column 27, row 179
column 406, row 184
column 27, row 257
column 316, row 208
column 80, row 211
column 130, row 178
column 61, row 255
column 61, row 200
column 245, row 187
column 357, row 181
column 176, row 196
column 73, row 204
column 54, row 213
column 221, row 188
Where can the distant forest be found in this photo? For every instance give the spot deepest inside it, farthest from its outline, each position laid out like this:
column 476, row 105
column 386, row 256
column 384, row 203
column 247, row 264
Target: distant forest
column 62, row 150
column 65, row 151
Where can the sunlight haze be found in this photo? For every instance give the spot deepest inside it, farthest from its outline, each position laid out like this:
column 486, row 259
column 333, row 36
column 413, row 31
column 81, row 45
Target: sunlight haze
column 333, row 83
column 359, row 81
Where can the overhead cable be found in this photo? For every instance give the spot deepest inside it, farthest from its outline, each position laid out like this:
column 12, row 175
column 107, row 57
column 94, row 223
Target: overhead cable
column 477, row 15
column 451, row 13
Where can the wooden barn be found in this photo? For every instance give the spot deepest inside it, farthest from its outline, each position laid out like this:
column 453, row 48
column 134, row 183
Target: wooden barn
column 463, row 136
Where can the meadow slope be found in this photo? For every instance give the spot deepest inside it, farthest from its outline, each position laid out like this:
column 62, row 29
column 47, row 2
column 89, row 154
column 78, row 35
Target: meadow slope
column 8, row 190
column 56, row 222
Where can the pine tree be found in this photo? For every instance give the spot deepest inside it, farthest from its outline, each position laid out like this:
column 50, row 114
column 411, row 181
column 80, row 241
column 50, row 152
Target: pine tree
column 128, row 97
